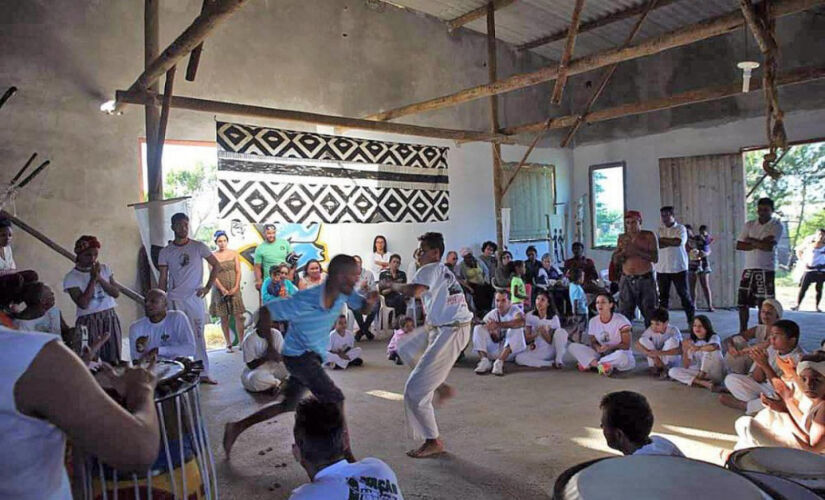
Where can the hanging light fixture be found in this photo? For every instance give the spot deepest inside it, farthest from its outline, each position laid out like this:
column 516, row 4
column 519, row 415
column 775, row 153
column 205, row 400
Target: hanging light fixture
column 747, row 66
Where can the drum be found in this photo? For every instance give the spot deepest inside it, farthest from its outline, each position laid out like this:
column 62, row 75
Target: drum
column 799, row 466
column 185, row 467
column 781, row 488
column 642, row 477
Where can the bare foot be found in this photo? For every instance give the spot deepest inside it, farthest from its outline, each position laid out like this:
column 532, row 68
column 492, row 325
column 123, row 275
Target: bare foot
column 443, row 393
column 431, row 447
column 230, row 434
column 732, row 402
column 210, row 381
column 701, row 382
column 663, row 375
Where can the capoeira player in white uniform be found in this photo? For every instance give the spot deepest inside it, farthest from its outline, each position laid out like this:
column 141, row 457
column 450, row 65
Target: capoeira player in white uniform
column 432, row 349
column 181, row 277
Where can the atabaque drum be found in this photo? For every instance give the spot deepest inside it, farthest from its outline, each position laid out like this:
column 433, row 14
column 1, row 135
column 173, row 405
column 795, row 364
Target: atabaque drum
column 799, row 466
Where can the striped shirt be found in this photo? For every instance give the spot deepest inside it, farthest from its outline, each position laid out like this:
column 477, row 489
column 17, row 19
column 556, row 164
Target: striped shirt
column 309, row 321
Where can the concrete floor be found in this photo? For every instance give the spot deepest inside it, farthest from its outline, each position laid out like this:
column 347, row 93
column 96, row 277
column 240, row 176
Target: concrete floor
column 508, row 437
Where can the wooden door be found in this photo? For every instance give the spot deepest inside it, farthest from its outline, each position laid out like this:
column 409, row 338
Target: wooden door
column 710, row 190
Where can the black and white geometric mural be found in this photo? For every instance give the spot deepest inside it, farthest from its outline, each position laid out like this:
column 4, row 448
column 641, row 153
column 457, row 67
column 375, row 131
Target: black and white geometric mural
column 274, row 175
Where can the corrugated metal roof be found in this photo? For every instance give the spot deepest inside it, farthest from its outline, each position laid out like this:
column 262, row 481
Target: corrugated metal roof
column 528, row 20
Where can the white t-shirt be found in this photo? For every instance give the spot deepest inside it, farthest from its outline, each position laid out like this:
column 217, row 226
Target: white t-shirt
column 254, row 347
column 48, row 323
column 376, row 269
column 659, row 339
column 816, row 256
column 185, row 265
column 101, row 300
column 337, row 343
column 533, row 321
column 659, row 446
column 673, row 259
column 7, row 260
column 172, row 336
column 366, row 479
column 697, row 356
column 610, row 333
column 444, row 300
column 760, row 259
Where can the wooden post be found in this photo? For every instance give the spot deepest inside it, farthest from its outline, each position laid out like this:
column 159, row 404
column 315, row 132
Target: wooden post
column 683, row 36
column 151, row 28
column 607, row 75
column 561, row 80
column 228, row 108
column 164, row 116
column 498, row 168
column 62, row 251
column 474, row 14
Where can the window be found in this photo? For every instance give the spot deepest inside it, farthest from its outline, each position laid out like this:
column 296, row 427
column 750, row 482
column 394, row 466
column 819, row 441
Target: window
column 530, row 198
column 607, row 204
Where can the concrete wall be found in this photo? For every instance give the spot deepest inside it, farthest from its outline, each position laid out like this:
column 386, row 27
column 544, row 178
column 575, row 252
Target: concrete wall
column 642, row 159
column 69, row 57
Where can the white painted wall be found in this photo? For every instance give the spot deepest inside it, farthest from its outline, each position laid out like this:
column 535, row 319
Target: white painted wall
column 642, row 159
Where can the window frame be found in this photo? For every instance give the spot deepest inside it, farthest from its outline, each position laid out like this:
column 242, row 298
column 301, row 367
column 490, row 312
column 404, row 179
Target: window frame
column 509, row 168
column 591, row 170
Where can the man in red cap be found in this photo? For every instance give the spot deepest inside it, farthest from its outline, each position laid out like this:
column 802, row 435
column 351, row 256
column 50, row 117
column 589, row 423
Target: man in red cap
column 636, row 252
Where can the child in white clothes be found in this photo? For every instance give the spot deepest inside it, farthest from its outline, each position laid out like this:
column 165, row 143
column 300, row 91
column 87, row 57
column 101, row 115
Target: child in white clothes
column 702, row 361
column 661, row 343
column 406, row 325
column 342, row 350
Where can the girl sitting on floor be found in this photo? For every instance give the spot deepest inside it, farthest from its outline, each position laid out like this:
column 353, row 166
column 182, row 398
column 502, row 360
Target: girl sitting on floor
column 702, row 362
column 610, row 337
column 406, row 325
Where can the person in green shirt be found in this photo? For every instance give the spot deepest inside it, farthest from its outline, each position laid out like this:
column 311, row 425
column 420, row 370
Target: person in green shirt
column 269, row 253
column 517, row 289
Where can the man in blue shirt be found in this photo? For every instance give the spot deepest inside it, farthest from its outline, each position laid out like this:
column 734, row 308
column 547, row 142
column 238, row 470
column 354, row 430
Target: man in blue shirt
column 311, row 314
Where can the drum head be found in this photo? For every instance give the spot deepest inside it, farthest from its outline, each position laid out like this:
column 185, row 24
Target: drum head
column 781, row 488
column 786, row 462
column 657, row 477
column 166, row 370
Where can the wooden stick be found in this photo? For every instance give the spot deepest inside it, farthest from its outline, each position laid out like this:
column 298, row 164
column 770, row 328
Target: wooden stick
column 26, row 166
column 195, row 55
column 492, row 72
column 228, row 108
column 763, row 38
column 526, row 155
column 34, row 174
column 478, row 13
column 591, row 25
column 217, row 12
column 151, row 29
column 705, row 94
column 164, row 117
column 6, row 95
column 607, row 75
column 561, row 80
column 683, row 36
column 62, row 251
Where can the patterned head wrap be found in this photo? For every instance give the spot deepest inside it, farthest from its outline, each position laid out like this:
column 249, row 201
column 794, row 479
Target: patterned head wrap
column 84, row 243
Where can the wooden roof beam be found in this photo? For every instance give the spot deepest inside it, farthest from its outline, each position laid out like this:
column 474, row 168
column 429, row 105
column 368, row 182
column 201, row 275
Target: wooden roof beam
column 683, row 36
column 478, row 13
column 561, row 80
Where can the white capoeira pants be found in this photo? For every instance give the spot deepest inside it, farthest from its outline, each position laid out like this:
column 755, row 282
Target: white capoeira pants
column 267, row 376
column 619, row 360
column 194, row 309
column 431, row 352
column 744, row 388
column 738, row 364
column 545, row 353
column 711, row 364
column 340, row 362
column 767, row 428
column 668, row 361
column 483, row 342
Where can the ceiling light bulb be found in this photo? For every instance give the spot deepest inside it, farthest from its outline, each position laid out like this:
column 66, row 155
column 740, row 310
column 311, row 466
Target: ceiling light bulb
column 747, row 68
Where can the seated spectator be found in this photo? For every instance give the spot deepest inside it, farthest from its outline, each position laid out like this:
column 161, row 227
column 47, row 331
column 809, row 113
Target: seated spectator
column 277, row 284
column 321, row 446
column 380, row 260
column 314, row 275
column 364, row 285
column 342, row 351
column 626, row 424
column 801, row 430
column 578, row 302
column 393, row 275
column 585, row 265
column 264, row 370
column 501, row 337
column 488, row 256
column 548, row 275
column 531, row 265
column 475, row 279
column 41, row 313
column 543, row 330
column 745, row 390
column 737, row 359
column 661, row 343
column 610, row 335
column 501, row 278
column 405, row 326
column 7, row 264
column 170, row 332
column 518, row 290
column 92, row 287
column 450, row 260
column 702, row 362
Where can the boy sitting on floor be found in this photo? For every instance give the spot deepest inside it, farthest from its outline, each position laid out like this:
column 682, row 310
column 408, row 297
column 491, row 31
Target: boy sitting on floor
column 661, row 343
column 342, row 350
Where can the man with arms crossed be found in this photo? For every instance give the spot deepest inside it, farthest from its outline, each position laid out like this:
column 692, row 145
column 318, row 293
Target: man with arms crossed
column 673, row 263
